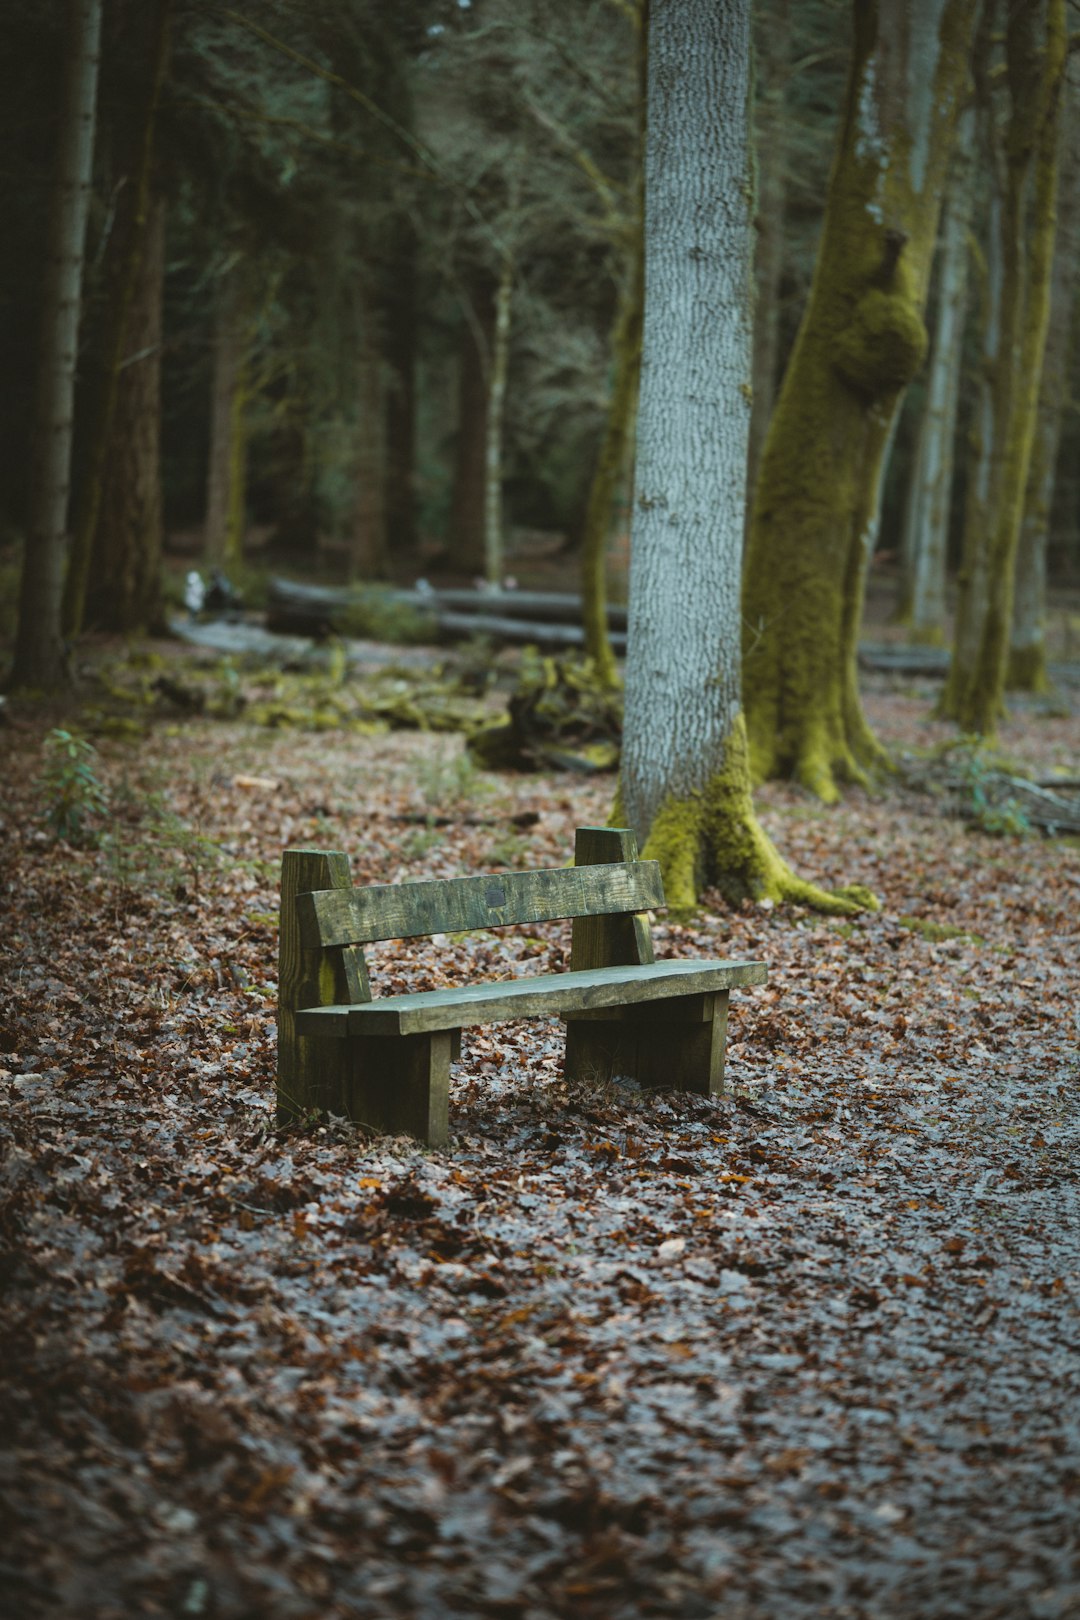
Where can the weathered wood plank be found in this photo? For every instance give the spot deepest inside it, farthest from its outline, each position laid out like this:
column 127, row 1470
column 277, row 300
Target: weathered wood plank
column 547, row 995
column 608, row 941
column 670, row 1053
column 495, row 900
column 403, row 1085
column 309, row 1076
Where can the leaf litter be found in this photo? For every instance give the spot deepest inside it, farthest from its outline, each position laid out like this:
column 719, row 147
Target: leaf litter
column 808, row 1349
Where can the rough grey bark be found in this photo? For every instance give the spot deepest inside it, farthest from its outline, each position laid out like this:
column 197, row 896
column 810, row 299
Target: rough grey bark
column 39, row 650
column 926, row 541
column 683, row 667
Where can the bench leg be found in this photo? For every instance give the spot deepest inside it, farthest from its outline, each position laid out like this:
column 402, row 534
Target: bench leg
column 401, row 1084
column 676, row 1044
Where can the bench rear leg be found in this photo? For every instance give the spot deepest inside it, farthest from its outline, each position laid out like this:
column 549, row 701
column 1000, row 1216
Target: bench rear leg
column 676, row 1044
column 401, row 1084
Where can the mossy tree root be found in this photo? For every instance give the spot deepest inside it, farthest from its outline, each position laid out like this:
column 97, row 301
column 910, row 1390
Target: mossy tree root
column 712, row 837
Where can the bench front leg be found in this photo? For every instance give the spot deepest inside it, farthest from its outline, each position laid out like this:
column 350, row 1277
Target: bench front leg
column 400, row 1084
column 676, row 1044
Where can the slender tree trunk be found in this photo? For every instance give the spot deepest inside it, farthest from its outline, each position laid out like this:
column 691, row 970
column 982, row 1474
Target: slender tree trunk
column 930, row 498
column 685, row 782
column 226, row 484
column 465, row 548
column 493, row 449
column 124, row 589
column 611, row 466
column 39, row 649
column 400, row 356
column 770, row 148
column 1027, row 651
column 1035, row 61
column 133, row 140
column 861, row 341
column 367, row 550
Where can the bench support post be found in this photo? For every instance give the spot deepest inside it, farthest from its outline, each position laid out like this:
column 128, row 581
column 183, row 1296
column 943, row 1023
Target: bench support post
column 400, row 1084
column 311, row 1075
column 677, row 1045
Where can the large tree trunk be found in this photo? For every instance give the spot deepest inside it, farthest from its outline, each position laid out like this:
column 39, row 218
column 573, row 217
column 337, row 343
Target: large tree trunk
column 39, row 648
column 861, row 341
column 226, row 483
column 770, row 148
column 685, row 782
column 141, row 33
column 1035, row 50
column 124, row 589
column 1027, row 651
column 930, row 499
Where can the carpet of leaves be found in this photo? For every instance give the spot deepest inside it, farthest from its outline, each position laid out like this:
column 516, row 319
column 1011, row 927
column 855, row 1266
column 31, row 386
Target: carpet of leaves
column 808, row 1349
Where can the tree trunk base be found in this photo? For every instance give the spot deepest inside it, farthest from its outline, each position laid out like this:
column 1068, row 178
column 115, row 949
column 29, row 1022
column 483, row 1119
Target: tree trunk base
column 712, row 837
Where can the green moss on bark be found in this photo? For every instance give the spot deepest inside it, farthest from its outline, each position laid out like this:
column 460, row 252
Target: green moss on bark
column 712, row 838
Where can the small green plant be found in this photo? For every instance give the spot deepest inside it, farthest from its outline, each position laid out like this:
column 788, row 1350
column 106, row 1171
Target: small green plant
column 74, row 796
column 447, row 777
column 990, row 808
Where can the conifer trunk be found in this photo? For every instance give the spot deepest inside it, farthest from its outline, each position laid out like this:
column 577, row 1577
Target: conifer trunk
column 685, row 780
column 861, row 341
column 465, row 539
column 226, row 474
column 39, row 649
column 132, row 149
column 367, row 546
column 124, row 589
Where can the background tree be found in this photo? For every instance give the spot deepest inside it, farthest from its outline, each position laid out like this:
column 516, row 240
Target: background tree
column 685, row 784
column 1021, row 245
column 1027, row 646
column 929, row 502
column 861, row 341
column 39, row 653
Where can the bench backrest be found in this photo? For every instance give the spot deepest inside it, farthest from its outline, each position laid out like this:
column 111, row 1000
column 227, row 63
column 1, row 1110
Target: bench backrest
column 457, row 905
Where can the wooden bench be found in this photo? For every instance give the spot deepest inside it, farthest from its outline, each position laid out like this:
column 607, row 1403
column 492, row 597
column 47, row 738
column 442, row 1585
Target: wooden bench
column 386, row 1062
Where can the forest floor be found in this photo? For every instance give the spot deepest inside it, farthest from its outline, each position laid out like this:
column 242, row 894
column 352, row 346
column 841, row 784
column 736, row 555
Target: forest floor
column 808, row 1349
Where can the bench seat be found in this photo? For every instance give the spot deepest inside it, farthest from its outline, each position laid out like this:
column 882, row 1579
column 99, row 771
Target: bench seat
column 425, row 1011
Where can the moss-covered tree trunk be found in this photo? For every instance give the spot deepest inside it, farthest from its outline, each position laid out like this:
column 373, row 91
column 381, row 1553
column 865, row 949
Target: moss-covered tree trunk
column 124, row 589
column 39, row 647
column 227, row 464
column 861, row 341
column 685, row 778
column 611, row 465
column 1024, row 216
column 1027, row 649
column 772, row 44
column 930, row 496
